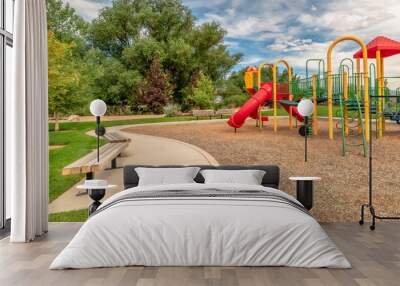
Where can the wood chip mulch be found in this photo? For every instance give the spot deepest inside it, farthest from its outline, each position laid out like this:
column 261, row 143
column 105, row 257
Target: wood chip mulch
column 344, row 185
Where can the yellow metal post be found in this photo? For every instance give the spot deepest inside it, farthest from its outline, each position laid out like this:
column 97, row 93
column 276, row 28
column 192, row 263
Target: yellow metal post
column 379, row 107
column 345, row 99
column 259, row 81
column 358, row 91
column 274, row 71
column 315, row 114
column 329, row 74
column 330, row 97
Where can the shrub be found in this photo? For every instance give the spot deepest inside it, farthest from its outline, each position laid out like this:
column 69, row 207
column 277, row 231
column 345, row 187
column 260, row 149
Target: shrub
column 171, row 110
column 235, row 100
column 203, row 94
column 156, row 90
column 141, row 109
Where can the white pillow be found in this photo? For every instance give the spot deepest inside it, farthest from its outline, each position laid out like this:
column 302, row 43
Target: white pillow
column 166, row 176
column 247, row 177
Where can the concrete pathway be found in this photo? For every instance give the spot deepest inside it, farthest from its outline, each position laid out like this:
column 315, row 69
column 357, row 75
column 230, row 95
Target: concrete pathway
column 143, row 149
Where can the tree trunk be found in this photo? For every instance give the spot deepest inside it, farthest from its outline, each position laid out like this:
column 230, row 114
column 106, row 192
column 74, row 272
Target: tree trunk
column 57, row 123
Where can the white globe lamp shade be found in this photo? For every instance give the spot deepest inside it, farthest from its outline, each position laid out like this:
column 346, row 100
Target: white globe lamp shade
column 305, row 107
column 98, row 107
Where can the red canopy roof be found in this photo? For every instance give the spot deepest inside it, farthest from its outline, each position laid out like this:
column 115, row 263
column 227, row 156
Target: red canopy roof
column 388, row 47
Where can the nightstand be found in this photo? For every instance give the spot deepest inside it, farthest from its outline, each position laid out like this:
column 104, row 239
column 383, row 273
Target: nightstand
column 96, row 190
column 305, row 190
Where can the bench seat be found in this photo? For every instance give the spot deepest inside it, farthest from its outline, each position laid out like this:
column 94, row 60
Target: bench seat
column 115, row 137
column 204, row 113
column 88, row 164
column 225, row 112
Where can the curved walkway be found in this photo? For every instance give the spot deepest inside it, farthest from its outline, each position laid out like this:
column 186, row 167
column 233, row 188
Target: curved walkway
column 143, row 150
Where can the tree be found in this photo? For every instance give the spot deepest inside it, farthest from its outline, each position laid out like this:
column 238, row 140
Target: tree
column 204, row 93
column 233, row 90
column 65, row 24
column 156, row 90
column 63, row 78
column 134, row 32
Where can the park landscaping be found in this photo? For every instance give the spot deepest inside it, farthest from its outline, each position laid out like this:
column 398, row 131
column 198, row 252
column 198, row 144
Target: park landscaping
column 76, row 144
column 345, row 179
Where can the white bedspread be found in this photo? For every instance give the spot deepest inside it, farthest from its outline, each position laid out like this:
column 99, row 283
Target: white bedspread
column 202, row 232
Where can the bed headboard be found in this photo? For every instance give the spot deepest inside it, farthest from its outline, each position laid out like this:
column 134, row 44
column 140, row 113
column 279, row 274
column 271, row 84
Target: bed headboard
column 271, row 177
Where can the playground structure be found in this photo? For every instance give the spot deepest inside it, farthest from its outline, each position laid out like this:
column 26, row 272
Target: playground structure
column 262, row 93
column 357, row 91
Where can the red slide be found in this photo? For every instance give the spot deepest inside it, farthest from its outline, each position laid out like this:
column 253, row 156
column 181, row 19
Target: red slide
column 250, row 108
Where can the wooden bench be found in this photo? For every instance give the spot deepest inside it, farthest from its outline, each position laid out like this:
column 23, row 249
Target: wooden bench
column 108, row 154
column 203, row 113
column 115, row 137
column 225, row 112
column 88, row 164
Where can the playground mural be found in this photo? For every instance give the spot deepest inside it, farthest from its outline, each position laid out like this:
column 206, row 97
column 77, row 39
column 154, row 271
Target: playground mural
column 359, row 88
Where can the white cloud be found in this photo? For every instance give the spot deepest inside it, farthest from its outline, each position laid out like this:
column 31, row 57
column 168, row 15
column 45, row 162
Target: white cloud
column 251, row 60
column 295, row 30
column 88, row 9
column 290, row 44
column 242, row 27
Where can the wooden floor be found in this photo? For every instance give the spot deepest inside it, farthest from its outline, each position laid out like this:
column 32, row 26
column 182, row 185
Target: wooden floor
column 375, row 257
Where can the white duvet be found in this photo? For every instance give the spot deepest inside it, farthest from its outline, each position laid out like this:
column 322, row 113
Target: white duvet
column 200, row 232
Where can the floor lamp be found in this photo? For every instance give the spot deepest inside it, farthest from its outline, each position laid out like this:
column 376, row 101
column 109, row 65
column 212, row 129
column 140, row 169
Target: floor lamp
column 306, row 109
column 370, row 205
column 98, row 108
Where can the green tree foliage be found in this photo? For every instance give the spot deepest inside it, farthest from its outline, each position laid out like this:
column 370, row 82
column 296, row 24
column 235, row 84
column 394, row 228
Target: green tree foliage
column 67, row 47
column 203, row 96
column 112, row 57
column 134, row 32
column 65, row 24
column 156, row 90
column 233, row 90
column 63, row 78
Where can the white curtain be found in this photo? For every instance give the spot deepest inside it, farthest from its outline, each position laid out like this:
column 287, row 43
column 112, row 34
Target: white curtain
column 27, row 124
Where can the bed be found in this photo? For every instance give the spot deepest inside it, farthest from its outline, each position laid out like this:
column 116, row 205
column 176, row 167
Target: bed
column 199, row 224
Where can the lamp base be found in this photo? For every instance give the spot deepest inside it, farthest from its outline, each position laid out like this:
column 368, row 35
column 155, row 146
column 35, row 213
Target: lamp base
column 373, row 216
column 96, row 195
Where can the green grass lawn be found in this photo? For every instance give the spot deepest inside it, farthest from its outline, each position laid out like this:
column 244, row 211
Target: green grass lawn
column 71, row 216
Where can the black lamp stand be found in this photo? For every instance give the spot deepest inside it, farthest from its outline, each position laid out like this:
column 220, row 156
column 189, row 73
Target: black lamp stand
column 305, row 137
column 98, row 137
column 370, row 205
column 96, row 195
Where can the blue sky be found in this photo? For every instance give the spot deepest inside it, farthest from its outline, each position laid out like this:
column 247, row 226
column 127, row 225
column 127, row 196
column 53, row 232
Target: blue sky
column 265, row 30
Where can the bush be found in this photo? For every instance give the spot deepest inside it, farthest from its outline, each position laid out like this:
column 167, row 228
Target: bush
column 156, row 90
column 171, row 110
column 141, row 109
column 236, row 100
column 203, row 94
